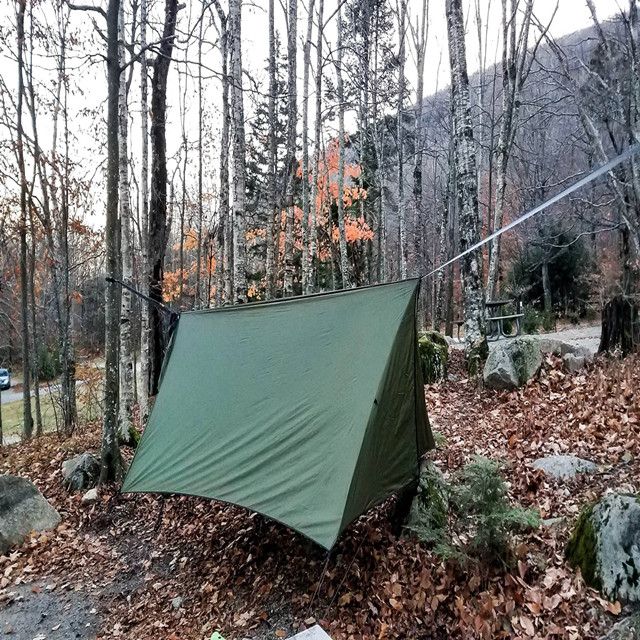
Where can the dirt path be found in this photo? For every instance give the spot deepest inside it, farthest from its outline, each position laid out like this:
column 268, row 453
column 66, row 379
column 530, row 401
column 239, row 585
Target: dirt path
column 35, row 612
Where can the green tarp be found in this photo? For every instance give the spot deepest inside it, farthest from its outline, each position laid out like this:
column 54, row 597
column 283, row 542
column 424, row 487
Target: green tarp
column 308, row 410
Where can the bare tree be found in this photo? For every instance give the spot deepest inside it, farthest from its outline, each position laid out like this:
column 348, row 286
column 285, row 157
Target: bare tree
column 126, row 246
column 144, row 218
column 112, row 464
column 516, row 64
column 158, row 203
column 315, row 169
column 402, row 213
column 24, row 281
column 290, row 163
column 238, row 153
column 305, row 151
column 467, row 191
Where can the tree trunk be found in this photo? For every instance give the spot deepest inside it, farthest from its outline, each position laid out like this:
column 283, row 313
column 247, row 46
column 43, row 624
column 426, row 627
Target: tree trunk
column 344, row 258
column 313, row 209
column 126, row 249
column 158, row 229
column 35, row 365
column 620, row 325
column 198, row 300
column 112, row 464
column 238, row 155
column 290, row 164
column 306, row 288
column 273, row 228
column 421, row 48
column 471, row 275
column 402, row 213
column 24, row 281
column 546, row 286
column 513, row 75
column 144, row 221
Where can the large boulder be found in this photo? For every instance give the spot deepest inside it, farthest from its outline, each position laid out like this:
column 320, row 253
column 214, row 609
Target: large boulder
column 511, row 363
column 606, row 546
column 82, row 472
column 564, row 466
column 23, row 509
column 434, row 353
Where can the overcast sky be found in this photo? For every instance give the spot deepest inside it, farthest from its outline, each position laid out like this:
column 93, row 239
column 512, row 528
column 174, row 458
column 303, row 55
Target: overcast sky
column 89, row 81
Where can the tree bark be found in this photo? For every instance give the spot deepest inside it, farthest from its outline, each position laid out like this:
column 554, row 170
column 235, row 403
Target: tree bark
column 305, row 152
column 158, row 229
column 24, row 281
column 273, row 229
column 290, row 164
column 402, row 213
column 471, row 275
column 344, row 258
column 238, row 154
column 513, row 76
column 112, row 464
column 144, row 221
column 126, row 249
column 315, row 170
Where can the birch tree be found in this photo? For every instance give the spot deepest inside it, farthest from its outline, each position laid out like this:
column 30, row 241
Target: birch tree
column 273, row 230
column 306, row 288
column 238, row 152
column 516, row 64
column 126, row 246
column 290, row 163
column 420, row 43
column 471, row 275
column 402, row 213
column 144, row 218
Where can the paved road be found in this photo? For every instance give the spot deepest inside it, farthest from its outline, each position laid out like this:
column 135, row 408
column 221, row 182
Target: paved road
column 588, row 337
column 12, row 396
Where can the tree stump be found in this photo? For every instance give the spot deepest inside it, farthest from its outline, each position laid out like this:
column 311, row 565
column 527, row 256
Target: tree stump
column 620, row 325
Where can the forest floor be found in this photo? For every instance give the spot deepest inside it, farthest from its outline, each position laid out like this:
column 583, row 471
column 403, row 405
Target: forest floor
column 141, row 567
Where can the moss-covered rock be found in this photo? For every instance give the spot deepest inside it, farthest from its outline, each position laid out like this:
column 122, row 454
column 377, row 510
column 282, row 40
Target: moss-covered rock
column 606, row 546
column 434, row 354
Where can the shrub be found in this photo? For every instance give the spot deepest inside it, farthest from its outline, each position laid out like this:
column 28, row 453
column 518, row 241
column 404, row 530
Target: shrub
column 530, row 320
column 428, row 515
column 48, row 363
column 472, row 519
column 548, row 319
column 482, row 503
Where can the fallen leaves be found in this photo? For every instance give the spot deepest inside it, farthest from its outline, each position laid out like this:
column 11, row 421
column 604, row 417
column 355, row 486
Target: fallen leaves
column 247, row 576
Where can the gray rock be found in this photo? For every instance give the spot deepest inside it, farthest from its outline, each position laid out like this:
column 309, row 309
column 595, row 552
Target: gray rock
column 90, row 497
column 176, row 603
column 606, row 546
column 511, row 363
column 552, row 523
column 81, row 472
column 625, row 629
column 22, row 509
column 564, row 466
column 572, row 362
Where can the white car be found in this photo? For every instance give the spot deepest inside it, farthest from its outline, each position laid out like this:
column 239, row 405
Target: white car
column 5, row 379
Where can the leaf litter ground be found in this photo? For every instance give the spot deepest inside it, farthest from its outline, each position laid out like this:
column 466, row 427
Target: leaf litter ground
column 147, row 567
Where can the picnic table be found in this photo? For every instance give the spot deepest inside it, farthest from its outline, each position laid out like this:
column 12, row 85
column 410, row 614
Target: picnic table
column 495, row 319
